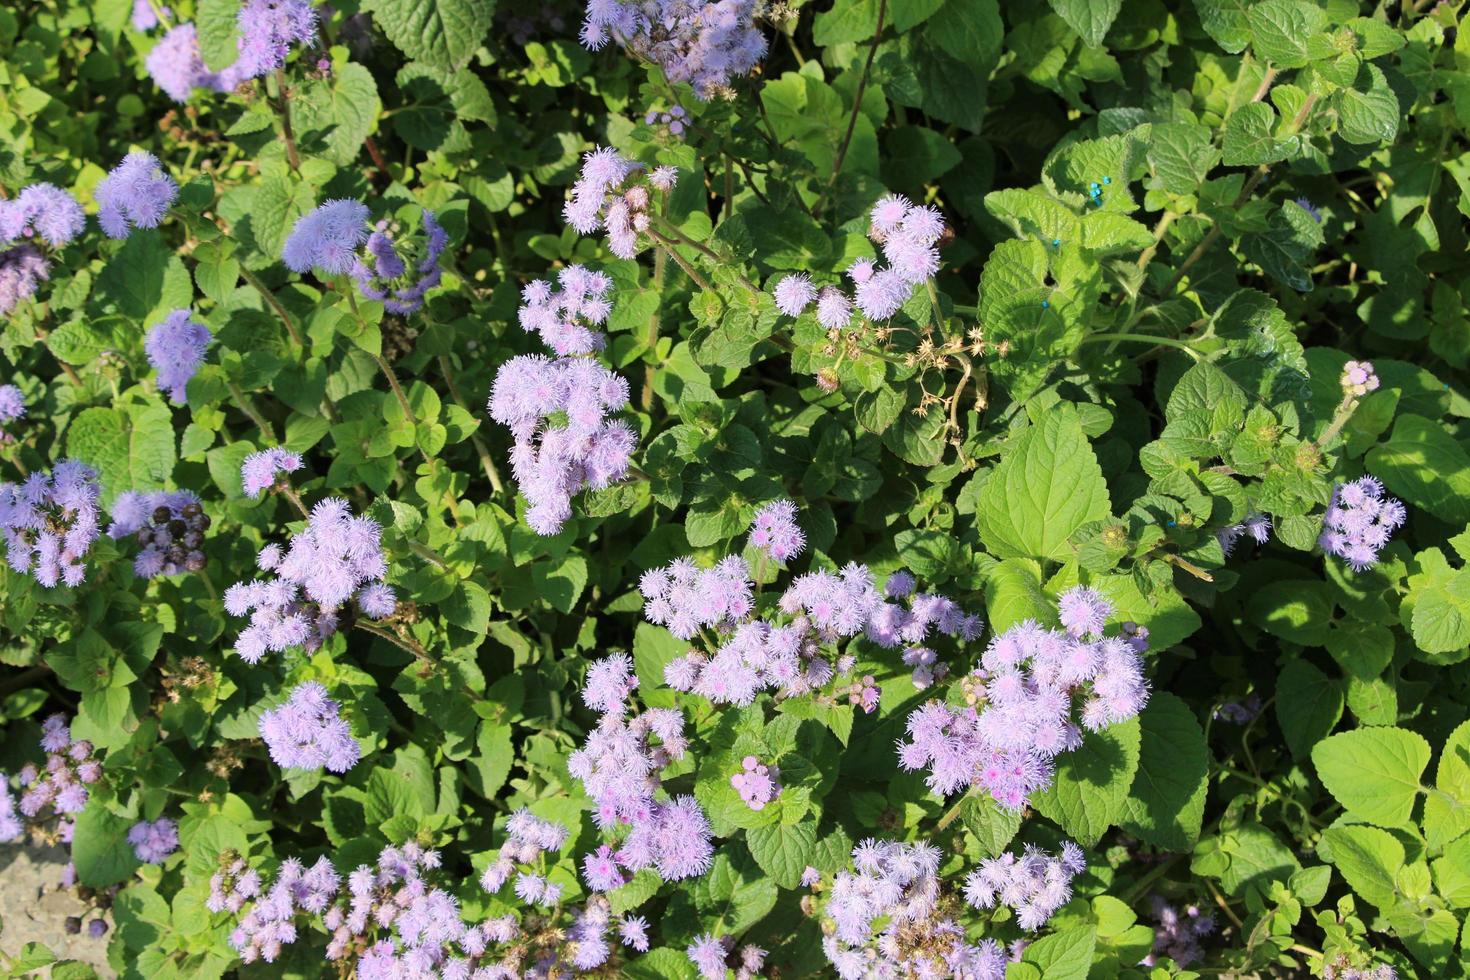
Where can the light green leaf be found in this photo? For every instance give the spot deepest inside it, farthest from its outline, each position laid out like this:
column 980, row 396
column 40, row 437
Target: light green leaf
column 1167, row 801
column 1092, row 782
column 1248, row 137
column 1280, row 29
column 443, row 33
column 1089, row 18
column 1308, row 705
column 783, row 851
column 1423, row 464
column 1373, row 772
column 1367, row 858
column 1447, row 807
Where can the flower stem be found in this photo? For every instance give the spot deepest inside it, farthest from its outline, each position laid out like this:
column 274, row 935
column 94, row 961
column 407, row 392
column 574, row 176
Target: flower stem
column 689, row 270
column 857, row 99
column 283, row 106
column 242, row 401
column 650, row 339
column 487, row 463
column 1144, row 338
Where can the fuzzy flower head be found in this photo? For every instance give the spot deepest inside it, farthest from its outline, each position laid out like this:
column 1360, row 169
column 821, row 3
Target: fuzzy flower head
column 557, row 411
column 136, row 194
column 42, row 211
column 12, row 407
column 152, row 842
column 1033, row 885
column 176, row 65
column 22, row 270
column 1358, row 378
column 382, row 274
column 565, row 318
column 1359, row 522
column 775, row 531
column 267, row 30
column 62, row 783
column 50, row 521
column 686, row 598
column 795, row 293
column 757, row 784
column 328, row 238
column 1256, row 526
column 704, row 43
column 308, row 732
column 1179, row 932
column 260, row 470
column 175, row 347
column 608, row 195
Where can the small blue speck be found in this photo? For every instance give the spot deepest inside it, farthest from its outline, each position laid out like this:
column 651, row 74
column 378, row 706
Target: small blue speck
column 1107, row 180
column 1045, row 305
column 1171, row 524
column 1056, row 243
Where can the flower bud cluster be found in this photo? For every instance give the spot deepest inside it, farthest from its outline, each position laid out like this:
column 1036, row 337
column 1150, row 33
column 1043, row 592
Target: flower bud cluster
column 168, row 524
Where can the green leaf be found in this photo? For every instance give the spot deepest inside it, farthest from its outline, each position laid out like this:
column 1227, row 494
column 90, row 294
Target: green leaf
column 992, row 824
column 1308, row 705
column 215, row 25
column 1373, row 772
column 1447, row 809
column 782, row 851
column 1064, row 955
column 1367, row 858
column 1423, row 464
column 1226, row 22
column 1299, row 610
column 131, row 449
column 443, row 33
column 1166, row 804
column 1181, row 155
column 847, row 20
column 1438, row 606
column 145, row 280
column 1248, row 137
column 100, row 848
column 346, row 106
column 1089, row 18
column 1013, row 593
column 1280, row 30
column 1369, row 111
column 1091, row 785
column 1045, row 488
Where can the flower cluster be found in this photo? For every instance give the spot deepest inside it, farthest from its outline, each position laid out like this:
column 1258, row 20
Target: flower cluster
column 388, row 278
column 528, row 836
column 145, row 15
column 234, row 884
column 152, row 842
column 328, row 238
column 900, row 884
column 10, row 824
column 705, row 43
column 270, row 924
column 175, row 348
column 176, row 65
column 1359, row 522
column 554, row 460
column 1344, row 971
column 1258, row 526
column 686, row 598
column 1033, row 885
column 42, row 211
column 775, row 532
column 892, row 625
column 260, row 470
column 599, row 199
column 619, row 768
column 711, row 957
column 22, row 270
column 137, row 193
column 1030, row 682
column 1358, row 378
column 308, row 731
column 63, row 780
column 267, row 29
column 676, row 118
column 50, row 521
column 336, row 557
column 908, row 235
column 170, row 526
column 560, row 316
column 1177, row 936
column 757, row 784
column 12, row 407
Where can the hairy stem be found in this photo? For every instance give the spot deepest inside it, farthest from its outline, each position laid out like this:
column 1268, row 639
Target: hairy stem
column 283, row 106
column 857, row 100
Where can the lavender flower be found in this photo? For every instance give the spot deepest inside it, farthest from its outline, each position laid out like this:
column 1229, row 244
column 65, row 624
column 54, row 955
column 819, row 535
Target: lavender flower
column 1342, row 970
column 1358, row 378
column 169, row 525
column 1177, row 937
column 42, row 211
column 708, row 955
column 269, row 925
column 529, row 836
column 705, row 43
column 10, row 824
column 267, row 29
column 175, row 348
column 260, row 470
column 663, row 178
column 308, row 732
column 600, row 200
column 137, row 193
column 554, row 460
column 1258, row 526
column 336, row 557
column 775, row 531
column 1359, row 522
column 389, row 279
column 12, row 407
column 756, row 783
column 232, row 886
column 327, row 238
column 1034, row 885
column 1240, row 712
column 561, row 316
column 145, row 16
column 177, row 66
column 686, row 598
column 50, row 521
column 62, row 783
column 152, row 842
column 1032, row 678
column 834, row 309
column 900, row 883
column 795, row 293
column 22, row 270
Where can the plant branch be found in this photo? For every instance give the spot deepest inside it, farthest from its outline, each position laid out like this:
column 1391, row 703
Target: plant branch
column 857, row 99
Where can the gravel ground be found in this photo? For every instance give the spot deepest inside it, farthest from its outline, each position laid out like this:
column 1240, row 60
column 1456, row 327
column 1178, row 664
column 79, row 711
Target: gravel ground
column 34, row 909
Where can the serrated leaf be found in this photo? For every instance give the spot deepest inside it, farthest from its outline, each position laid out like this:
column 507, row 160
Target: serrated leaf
column 1091, row 785
column 1166, row 803
column 1373, row 772
column 783, row 851
column 442, row 33
column 1089, row 18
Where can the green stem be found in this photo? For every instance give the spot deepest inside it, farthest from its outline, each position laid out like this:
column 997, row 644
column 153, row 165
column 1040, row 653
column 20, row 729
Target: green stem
column 1144, row 338
column 283, row 106
column 689, row 270
column 857, row 99
column 650, row 338
column 242, row 401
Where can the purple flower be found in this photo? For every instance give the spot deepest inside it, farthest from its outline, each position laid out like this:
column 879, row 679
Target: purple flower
column 708, row 955
column 633, row 930
column 145, row 15
column 22, row 270
column 12, row 407
column 175, row 348
column 1359, row 522
column 663, row 178
column 834, row 309
column 1358, row 378
column 327, row 238
column 136, row 194
column 377, row 600
column 598, row 199
column 883, row 294
column 170, row 526
column 42, row 211
column 686, row 598
column 1177, row 936
column 705, row 43
column 756, row 783
column 50, row 521
column 775, row 531
column 177, row 66
column 1084, row 612
column 388, row 278
column 308, row 732
column 561, row 317
column 609, row 682
column 152, row 842
column 795, row 293
column 267, row 29
column 259, row 470
column 1033, row 886
column 1258, row 526
column 600, row 870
